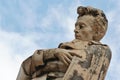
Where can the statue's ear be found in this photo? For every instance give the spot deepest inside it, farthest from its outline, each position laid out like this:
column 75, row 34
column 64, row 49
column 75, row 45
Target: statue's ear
column 60, row 45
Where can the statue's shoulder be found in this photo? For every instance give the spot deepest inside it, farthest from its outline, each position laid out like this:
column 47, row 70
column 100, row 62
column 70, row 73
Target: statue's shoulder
column 99, row 47
column 108, row 51
column 98, row 44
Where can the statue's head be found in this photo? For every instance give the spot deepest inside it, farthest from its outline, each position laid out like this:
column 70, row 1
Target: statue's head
column 91, row 24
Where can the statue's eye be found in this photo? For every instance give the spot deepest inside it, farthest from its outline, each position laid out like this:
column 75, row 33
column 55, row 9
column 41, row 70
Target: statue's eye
column 81, row 26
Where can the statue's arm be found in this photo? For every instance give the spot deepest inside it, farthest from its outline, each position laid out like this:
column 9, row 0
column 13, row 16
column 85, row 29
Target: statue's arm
column 28, row 67
column 42, row 56
column 24, row 72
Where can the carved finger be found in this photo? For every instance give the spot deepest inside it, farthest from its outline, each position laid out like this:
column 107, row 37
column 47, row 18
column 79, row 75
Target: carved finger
column 64, row 61
column 69, row 56
column 74, row 54
column 67, row 60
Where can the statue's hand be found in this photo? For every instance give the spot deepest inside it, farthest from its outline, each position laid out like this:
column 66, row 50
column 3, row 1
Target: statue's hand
column 64, row 56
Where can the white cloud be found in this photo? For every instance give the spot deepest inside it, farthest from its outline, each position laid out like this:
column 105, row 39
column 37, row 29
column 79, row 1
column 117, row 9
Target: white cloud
column 14, row 48
column 8, row 66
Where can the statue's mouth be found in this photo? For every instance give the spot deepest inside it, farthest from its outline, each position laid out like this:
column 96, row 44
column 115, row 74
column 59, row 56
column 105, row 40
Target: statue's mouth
column 77, row 36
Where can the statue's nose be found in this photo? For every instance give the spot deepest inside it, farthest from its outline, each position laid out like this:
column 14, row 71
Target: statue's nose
column 76, row 31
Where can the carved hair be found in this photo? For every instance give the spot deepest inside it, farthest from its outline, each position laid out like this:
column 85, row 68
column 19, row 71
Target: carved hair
column 100, row 21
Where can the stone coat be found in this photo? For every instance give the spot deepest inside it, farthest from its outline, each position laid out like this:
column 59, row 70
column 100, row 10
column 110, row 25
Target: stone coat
column 94, row 59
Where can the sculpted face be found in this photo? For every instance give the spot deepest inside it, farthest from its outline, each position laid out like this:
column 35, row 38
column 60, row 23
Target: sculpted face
column 83, row 29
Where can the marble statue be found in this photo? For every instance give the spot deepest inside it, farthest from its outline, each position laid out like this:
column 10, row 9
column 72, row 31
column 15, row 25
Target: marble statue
column 84, row 58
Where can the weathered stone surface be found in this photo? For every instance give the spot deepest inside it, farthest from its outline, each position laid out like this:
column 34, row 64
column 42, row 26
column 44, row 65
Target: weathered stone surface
column 93, row 67
column 84, row 58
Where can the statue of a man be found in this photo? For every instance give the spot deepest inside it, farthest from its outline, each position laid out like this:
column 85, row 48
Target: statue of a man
column 94, row 57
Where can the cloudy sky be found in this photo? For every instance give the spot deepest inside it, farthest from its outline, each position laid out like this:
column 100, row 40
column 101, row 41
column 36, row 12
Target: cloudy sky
column 27, row 25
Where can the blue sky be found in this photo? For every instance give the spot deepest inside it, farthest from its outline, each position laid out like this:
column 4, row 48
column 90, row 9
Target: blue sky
column 27, row 25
